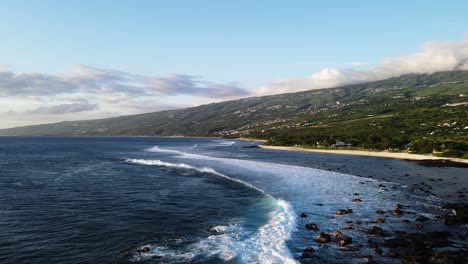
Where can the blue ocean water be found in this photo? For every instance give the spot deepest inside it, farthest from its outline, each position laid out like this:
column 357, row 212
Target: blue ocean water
column 178, row 200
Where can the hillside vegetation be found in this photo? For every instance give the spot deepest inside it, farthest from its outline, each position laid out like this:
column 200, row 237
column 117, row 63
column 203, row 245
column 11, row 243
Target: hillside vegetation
column 428, row 111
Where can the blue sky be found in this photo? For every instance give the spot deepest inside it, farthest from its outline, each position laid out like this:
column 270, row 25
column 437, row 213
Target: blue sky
column 247, row 44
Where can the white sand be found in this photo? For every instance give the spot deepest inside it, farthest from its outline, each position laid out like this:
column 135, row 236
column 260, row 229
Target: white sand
column 384, row 154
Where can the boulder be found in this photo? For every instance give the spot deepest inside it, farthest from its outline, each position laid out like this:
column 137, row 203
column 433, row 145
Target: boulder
column 397, row 212
column 345, row 241
column 421, row 218
column 341, row 212
column 323, row 238
column 376, row 231
column 311, row 226
column 308, row 253
column 337, row 234
column 304, row 215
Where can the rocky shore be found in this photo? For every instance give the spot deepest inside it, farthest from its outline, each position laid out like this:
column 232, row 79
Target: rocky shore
column 441, row 238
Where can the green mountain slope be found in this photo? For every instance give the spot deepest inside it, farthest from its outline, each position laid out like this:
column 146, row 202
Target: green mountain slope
column 427, row 110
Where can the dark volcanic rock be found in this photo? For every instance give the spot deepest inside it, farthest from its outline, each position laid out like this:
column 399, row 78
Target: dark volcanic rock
column 323, row 238
column 252, row 146
column 421, row 218
column 345, row 241
column 442, row 163
column 308, row 253
column 397, row 212
column 459, row 214
column 337, row 234
column 378, row 221
column 145, row 249
column 375, row 231
column 311, row 226
column 341, row 212
column 304, row 215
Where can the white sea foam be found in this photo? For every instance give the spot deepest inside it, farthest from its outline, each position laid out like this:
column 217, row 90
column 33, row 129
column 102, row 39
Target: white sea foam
column 268, row 245
column 224, row 142
column 186, row 166
column 314, row 191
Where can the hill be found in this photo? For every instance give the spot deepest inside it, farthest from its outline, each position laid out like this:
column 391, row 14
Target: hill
column 427, row 110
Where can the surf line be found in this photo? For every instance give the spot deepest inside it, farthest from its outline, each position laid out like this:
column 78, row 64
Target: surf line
column 281, row 224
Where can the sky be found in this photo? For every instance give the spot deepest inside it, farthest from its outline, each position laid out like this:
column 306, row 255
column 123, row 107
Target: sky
column 75, row 60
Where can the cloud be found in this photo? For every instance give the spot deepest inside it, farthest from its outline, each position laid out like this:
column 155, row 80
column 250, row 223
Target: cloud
column 63, row 109
column 186, row 84
column 85, row 79
column 431, row 57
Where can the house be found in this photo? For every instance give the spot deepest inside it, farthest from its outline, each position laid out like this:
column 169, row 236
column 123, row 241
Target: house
column 339, row 144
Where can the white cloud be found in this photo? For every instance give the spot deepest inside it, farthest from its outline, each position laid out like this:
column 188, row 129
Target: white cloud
column 85, row 79
column 432, row 57
column 63, row 109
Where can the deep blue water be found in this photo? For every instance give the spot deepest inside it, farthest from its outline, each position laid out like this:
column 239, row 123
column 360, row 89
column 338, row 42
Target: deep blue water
column 189, row 200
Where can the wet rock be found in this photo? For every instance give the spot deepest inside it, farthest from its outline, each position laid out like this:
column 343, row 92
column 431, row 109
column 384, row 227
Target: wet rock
column 357, row 200
column 442, row 163
column 458, row 214
column 393, row 254
column 308, row 253
column 323, row 238
column 421, row 218
column 309, row 249
column 379, row 212
column 398, row 206
column 145, row 249
column 375, row 231
column 337, row 234
column 348, row 222
column 397, row 212
column 311, row 226
column 304, row 215
column 356, row 194
column 345, row 241
column 252, row 146
column 126, row 254
column 432, row 239
column 341, row 212
column 372, row 244
column 378, row 221
column 396, row 243
column 401, row 233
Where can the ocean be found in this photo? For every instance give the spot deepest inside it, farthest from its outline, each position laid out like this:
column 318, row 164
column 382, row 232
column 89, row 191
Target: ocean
column 184, row 200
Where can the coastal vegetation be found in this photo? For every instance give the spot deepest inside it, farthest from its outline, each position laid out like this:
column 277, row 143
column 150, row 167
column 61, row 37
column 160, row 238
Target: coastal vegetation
column 421, row 113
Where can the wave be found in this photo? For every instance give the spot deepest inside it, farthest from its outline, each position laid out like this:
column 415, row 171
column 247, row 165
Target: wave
column 224, row 142
column 268, row 245
column 186, row 166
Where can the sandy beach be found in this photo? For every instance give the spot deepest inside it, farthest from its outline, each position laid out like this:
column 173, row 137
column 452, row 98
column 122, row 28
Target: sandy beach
column 383, row 154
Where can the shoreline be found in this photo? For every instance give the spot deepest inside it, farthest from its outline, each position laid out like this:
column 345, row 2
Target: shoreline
column 381, row 154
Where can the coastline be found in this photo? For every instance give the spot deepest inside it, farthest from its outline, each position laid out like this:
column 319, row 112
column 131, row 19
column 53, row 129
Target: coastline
column 382, row 154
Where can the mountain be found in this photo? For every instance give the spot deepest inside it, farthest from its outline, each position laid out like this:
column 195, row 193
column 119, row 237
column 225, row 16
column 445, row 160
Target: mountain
column 391, row 113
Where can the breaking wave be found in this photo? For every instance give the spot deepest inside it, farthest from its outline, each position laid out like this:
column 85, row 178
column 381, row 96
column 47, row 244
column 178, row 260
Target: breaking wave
column 267, row 245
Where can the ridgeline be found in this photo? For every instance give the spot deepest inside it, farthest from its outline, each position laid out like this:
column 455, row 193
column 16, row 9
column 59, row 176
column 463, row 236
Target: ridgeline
column 426, row 112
